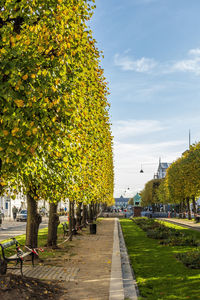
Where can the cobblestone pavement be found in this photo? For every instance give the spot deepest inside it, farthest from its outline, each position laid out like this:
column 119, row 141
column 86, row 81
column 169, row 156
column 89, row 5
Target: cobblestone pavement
column 49, row 273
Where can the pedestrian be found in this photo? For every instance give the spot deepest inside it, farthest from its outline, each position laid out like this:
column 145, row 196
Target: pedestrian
column 2, row 213
column 14, row 211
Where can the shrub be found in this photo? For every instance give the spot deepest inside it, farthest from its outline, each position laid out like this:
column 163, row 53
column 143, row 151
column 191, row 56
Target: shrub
column 190, row 259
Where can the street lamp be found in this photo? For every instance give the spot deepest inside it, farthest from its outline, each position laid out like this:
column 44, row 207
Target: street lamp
column 141, row 171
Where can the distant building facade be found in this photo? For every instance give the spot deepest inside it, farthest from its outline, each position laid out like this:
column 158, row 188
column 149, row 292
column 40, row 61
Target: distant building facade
column 121, row 202
column 162, row 169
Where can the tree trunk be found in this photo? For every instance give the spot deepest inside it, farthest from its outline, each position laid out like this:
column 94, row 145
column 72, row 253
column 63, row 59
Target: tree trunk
column 78, row 214
column 84, row 218
column 53, row 225
column 33, row 220
column 90, row 213
column 73, row 216
column 70, row 220
column 194, row 205
column 188, row 208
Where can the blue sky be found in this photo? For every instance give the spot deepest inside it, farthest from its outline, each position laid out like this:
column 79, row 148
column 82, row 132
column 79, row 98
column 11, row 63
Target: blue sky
column 152, row 63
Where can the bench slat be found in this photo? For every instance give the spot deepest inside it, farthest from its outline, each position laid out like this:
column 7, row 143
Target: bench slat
column 8, row 244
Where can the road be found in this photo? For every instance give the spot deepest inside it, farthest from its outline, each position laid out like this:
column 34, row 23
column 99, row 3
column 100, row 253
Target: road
column 11, row 229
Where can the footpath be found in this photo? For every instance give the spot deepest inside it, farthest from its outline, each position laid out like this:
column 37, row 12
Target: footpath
column 91, row 267
column 183, row 222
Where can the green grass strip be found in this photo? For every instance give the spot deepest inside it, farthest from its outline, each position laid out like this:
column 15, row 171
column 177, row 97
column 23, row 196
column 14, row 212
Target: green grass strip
column 42, row 240
column 159, row 274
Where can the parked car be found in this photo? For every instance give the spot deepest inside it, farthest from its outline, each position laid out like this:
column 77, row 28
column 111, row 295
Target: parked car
column 22, row 216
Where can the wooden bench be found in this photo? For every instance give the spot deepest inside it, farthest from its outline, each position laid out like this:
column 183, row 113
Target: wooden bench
column 18, row 257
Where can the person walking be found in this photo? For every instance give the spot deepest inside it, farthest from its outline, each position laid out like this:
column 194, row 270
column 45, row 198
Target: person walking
column 14, row 211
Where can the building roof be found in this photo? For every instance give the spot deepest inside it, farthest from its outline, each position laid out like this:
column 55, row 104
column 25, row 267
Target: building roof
column 163, row 165
column 121, row 199
column 137, row 197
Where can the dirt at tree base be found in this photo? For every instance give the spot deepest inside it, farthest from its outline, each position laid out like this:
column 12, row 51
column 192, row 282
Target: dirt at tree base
column 18, row 287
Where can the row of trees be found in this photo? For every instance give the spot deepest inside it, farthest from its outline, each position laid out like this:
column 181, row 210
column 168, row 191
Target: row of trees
column 181, row 186
column 55, row 137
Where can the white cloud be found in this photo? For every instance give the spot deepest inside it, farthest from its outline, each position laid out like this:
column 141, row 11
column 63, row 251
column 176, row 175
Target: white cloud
column 149, row 65
column 191, row 64
column 124, row 129
column 142, row 65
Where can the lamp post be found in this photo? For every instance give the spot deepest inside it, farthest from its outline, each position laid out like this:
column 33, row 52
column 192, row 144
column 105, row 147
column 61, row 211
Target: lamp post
column 141, row 170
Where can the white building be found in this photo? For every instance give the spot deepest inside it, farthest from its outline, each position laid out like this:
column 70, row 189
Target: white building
column 162, row 168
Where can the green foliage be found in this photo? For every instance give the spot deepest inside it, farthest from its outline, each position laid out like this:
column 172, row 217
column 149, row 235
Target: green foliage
column 54, row 121
column 191, row 259
column 149, row 194
column 159, row 274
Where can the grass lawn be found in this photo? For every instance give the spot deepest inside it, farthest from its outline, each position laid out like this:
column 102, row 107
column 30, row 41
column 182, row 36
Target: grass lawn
column 158, row 273
column 42, row 240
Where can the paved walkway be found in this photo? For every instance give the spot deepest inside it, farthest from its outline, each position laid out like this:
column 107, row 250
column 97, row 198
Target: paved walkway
column 49, row 273
column 96, row 267
column 183, row 222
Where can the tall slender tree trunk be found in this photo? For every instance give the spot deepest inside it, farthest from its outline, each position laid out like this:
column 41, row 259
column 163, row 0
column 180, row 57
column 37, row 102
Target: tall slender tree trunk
column 90, row 213
column 33, row 220
column 73, row 216
column 194, row 204
column 84, row 218
column 78, row 214
column 53, row 225
column 188, row 208
column 70, row 220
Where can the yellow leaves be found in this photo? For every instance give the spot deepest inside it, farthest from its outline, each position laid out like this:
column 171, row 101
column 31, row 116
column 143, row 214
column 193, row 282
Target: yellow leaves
column 1, row 149
column 25, row 77
column 14, row 131
column 3, row 51
column 2, row 183
column 32, row 150
column 5, row 132
column 32, row 123
column 58, row 154
column 12, row 39
column 40, row 49
column 54, row 88
column 19, row 103
column 33, row 76
column 34, row 130
column 57, row 81
column 28, row 133
column 44, row 72
column 68, row 45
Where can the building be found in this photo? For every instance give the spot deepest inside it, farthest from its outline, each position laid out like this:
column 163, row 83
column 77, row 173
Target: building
column 162, row 168
column 121, row 202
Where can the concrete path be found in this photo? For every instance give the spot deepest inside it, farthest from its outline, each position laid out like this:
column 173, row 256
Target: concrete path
column 122, row 282
column 116, row 281
column 183, row 222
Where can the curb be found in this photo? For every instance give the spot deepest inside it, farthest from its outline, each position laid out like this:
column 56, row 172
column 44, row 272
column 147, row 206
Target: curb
column 116, row 282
